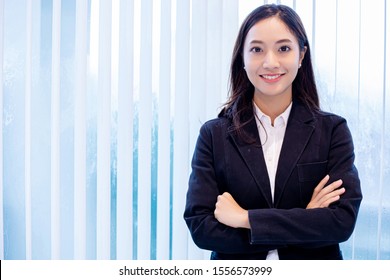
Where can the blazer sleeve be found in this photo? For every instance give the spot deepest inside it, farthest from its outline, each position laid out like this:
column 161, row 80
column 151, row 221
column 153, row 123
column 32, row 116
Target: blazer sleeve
column 321, row 226
column 203, row 190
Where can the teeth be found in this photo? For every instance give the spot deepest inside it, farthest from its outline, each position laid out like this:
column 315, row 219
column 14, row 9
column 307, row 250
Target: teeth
column 271, row 77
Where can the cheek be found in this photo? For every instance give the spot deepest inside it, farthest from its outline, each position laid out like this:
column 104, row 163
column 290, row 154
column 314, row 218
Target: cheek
column 292, row 66
column 251, row 72
column 252, row 65
column 290, row 60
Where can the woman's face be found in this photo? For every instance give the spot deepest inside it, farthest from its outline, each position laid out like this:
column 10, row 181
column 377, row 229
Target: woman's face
column 271, row 57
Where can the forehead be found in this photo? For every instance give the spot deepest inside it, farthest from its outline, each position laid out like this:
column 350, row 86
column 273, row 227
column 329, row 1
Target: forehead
column 270, row 30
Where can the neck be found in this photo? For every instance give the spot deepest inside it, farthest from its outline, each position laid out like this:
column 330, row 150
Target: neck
column 272, row 106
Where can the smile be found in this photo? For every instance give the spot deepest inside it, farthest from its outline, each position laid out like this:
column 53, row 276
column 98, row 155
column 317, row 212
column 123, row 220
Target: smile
column 272, row 78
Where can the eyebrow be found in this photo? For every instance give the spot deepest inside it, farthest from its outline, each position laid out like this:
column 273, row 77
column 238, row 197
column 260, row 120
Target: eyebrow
column 277, row 42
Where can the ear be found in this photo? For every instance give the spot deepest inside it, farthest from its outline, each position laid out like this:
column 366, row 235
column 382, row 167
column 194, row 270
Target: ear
column 302, row 55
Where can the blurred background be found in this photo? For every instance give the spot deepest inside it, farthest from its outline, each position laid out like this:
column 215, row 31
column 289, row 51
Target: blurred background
column 102, row 102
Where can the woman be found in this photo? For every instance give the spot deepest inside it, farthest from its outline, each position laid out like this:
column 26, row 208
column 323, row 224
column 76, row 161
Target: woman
column 273, row 177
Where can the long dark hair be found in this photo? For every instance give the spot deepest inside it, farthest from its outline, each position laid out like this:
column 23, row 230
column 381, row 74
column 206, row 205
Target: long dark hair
column 239, row 106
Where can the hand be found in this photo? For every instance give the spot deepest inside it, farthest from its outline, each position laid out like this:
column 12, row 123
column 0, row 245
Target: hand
column 228, row 212
column 323, row 196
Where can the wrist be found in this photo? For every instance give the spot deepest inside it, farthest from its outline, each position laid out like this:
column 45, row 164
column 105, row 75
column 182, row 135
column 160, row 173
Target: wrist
column 245, row 220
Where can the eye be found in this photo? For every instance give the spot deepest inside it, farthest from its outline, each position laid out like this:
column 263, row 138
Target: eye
column 284, row 49
column 256, row 49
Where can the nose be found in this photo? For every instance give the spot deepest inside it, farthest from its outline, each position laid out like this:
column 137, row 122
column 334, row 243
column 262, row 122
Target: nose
column 271, row 61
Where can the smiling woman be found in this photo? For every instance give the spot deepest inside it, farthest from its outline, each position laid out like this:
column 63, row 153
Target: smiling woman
column 244, row 199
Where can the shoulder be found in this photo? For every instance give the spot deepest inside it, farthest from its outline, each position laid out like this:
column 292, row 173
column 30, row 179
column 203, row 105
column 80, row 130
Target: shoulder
column 321, row 120
column 214, row 131
column 336, row 125
column 216, row 124
column 303, row 114
column 328, row 117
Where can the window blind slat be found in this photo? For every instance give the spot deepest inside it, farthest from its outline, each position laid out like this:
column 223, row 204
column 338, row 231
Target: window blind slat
column 103, row 222
column 229, row 32
column 125, row 133
column 230, row 25
column 198, row 88
column 27, row 131
column 305, row 9
column 80, row 131
column 145, row 130
column 55, row 132
column 181, row 121
column 164, row 136
column 326, row 42
column 383, row 224
column 213, row 63
column 385, row 233
column 198, row 67
column 1, row 130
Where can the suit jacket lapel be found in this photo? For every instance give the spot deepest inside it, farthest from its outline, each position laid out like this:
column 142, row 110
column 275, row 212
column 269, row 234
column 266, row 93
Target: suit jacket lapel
column 252, row 155
column 298, row 132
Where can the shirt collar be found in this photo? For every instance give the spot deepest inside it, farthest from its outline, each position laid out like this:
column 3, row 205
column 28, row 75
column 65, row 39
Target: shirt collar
column 280, row 120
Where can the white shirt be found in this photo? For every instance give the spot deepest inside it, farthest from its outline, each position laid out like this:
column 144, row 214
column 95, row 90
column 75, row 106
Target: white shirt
column 271, row 137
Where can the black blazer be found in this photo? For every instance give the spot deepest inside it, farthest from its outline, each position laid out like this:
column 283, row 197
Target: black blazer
column 315, row 144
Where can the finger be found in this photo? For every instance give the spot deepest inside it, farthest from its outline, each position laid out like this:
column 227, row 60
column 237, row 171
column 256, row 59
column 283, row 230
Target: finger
column 331, row 197
column 222, row 199
column 335, row 184
column 218, row 207
column 222, row 196
column 324, row 181
column 227, row 195
column 331, row 187
column 320, row 186
column 332, row 194
column 219, row 202
column 329, row 201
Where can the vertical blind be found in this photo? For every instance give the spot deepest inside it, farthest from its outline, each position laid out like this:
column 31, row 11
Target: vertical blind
column 102, row 102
